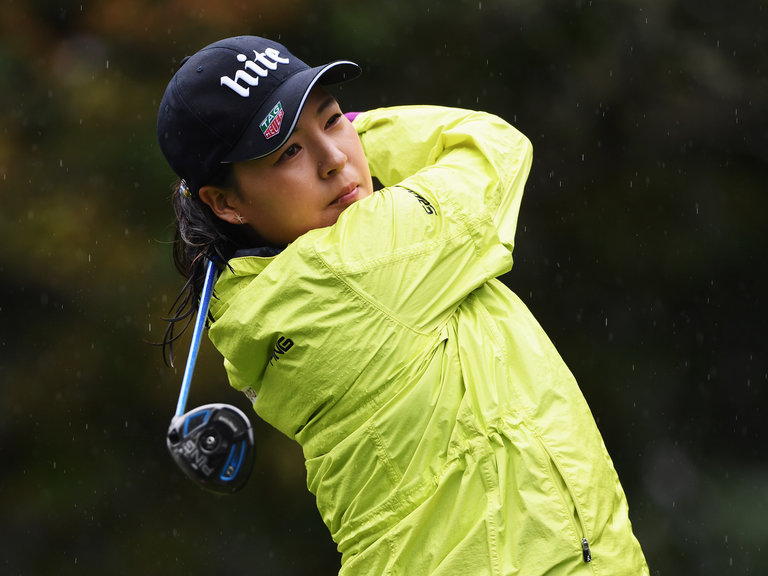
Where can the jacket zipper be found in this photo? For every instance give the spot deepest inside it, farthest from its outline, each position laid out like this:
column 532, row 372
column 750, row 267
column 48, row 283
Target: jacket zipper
column 578, row 523
column 586, row 554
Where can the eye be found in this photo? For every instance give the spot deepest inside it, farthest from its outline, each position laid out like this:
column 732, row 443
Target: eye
column 333, row 120
column 290, row 152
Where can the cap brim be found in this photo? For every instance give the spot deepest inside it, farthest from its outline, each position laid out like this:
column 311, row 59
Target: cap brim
column 291, row 96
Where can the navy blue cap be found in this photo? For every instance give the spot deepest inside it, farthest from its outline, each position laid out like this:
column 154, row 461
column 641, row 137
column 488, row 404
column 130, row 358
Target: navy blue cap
column 237, row 99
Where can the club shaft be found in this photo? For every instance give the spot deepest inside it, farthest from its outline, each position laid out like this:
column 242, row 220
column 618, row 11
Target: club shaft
column 197, row 334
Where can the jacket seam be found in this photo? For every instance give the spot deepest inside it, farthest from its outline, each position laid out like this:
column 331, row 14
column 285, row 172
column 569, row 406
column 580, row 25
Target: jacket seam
column 466, row 230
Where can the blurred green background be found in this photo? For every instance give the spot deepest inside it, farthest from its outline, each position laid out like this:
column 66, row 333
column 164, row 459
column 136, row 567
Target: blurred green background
column 641, row 250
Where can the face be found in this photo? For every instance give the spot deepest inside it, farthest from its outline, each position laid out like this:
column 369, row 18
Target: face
column 319, row 172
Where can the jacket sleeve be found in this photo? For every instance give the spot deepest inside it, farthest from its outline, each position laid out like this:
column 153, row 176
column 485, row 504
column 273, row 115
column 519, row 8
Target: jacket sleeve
column 475, row 159
column 445, row 223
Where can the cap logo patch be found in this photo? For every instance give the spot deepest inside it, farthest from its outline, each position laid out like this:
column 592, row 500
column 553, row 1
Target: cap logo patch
column 270, row 126
column 261, row 65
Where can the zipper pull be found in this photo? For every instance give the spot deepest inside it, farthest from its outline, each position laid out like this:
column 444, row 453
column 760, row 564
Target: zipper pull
column 585, row 550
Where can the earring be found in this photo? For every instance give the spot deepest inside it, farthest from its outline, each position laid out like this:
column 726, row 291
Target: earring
column 240, row 219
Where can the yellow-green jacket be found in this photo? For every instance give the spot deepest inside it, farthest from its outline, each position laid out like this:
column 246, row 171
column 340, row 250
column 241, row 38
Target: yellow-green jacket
column 443, row 434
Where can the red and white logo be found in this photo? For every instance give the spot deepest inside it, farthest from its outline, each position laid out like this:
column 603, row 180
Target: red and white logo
column 270, row 126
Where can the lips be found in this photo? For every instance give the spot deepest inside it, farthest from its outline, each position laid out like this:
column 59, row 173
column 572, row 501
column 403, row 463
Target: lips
column 347, row 196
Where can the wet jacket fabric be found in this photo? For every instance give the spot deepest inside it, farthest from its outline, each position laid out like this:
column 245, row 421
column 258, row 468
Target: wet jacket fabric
column 442, row 432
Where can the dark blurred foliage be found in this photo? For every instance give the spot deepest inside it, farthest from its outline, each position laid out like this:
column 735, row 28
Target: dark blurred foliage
column 640, row 248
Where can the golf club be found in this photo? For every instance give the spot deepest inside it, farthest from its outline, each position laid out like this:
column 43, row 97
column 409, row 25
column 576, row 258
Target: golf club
column 212, row 444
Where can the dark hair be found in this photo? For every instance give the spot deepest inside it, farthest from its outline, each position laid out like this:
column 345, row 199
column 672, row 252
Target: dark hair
column 200, row 236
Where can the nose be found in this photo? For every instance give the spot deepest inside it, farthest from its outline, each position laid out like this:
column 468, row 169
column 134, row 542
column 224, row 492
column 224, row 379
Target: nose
column 332, row 160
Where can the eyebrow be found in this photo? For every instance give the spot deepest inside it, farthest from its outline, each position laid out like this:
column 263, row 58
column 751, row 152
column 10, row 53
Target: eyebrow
column 329, row 101
column 325, row 104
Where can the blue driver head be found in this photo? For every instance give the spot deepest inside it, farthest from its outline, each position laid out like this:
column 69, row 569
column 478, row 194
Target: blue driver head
column 213, row 445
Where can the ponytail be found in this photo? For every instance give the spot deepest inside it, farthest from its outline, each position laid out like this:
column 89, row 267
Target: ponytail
column 200, row 236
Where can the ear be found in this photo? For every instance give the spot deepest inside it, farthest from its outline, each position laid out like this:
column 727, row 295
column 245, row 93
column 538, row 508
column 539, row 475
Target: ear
column 221, row 203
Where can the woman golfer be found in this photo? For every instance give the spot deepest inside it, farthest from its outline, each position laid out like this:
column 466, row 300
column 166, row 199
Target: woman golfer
column 442, row 432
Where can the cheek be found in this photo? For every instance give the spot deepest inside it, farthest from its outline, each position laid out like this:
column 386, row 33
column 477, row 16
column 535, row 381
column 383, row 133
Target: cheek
column 357, row 153
column 283, row 218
